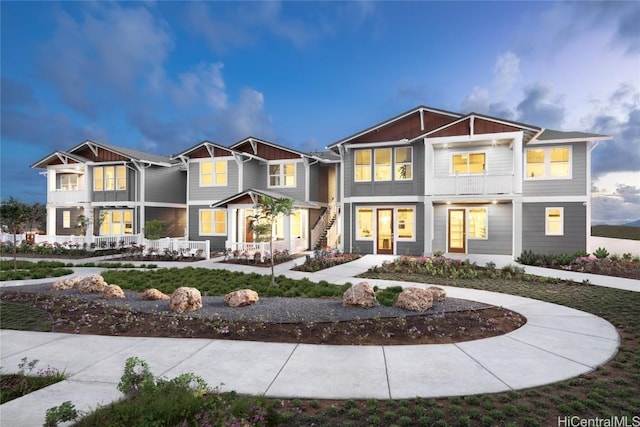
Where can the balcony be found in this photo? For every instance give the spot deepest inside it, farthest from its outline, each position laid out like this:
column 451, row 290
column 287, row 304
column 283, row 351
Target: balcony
column 60, row 197
column 470, row 185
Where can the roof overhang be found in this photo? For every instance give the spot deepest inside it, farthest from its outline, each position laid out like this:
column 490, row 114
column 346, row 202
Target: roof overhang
column 255, row 195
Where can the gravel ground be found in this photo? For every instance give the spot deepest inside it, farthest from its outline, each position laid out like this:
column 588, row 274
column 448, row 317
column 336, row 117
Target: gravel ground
column 268, row 309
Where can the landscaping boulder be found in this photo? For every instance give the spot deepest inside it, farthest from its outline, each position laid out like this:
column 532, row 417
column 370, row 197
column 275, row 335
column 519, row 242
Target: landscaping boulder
column 439, row 294
column 92, row 284
column 241, row 298
column 185, row 299
column 153, row 295
column 360, row 295
column 112, row 292
column 415, row 299
column 63, row 284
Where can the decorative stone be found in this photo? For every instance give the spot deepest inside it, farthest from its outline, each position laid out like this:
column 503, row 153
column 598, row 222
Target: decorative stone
column 185, row 299
column 92, row 284
column 360, row 295
column 241, row 298
column 415, row 299
column 64, row 284
column 439, row 294
column 153, row 295
column 112, row 292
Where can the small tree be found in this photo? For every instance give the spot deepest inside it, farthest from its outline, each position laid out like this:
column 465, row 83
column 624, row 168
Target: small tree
column 268, row 209
column 155, row 229
column 14, row 215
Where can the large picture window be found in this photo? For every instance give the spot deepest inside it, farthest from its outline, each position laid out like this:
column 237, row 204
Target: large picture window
column 282, row 175
column 109, row 178
column 468, row 163
column 404, row 163
column 548, row 163
column 382, row 161
column 116, row 222
column 477, row 223
column 364, row 223
column 554, row 221
column 213, row 222
column 213, row 173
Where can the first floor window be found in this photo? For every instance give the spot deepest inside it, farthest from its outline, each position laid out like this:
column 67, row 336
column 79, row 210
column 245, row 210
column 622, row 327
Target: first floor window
column 298, row 224
column 554, row 223
column 477, row 224
column 406, row 223
column 364, row 223
column 213, row 222
column 116, row 222
column 66, row 219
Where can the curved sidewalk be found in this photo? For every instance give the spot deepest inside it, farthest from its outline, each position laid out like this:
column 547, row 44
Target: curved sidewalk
column 556, row 343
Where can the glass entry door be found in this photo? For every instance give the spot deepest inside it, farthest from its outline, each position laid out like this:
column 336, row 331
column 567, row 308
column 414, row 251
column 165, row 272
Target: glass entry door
column 385, row 231
column 456, row 232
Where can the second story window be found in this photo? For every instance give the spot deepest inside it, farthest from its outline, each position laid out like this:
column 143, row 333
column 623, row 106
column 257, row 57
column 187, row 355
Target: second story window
column 109, row 178
column 382, row 159
column 548, row 163
column 70, row 182
column 282, row 175
column 213, row 173
column 468, row 163
column 363, row 165
column 404, row 163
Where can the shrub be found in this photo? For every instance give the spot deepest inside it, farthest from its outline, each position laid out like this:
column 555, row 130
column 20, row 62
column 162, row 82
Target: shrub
column 601, row 253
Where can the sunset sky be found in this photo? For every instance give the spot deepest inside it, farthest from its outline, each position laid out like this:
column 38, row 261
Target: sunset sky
column 163, row 76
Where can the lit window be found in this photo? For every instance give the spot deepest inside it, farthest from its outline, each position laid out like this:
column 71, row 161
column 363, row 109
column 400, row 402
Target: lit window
column 404, row 163
column 382, row 160
column 468, row 163
column 298, row 228
column 548, row 163
column 282, row 175
column 66, row 219
column 554, row 224
column 363, row 165
column 109, row 178
column 364, row 223
column 406, row 223
column 213, row 222
column 477, row 224
column 213, row 173
column 70, row 182
column 116, row 222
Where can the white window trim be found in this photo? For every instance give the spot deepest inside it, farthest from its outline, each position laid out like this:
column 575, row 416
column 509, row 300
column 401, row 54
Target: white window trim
column 469, row 153
column 547, row 164
column 355, row 166
column 213, row 181
column 391, row 164
column 66, row 219
column 213, row 228
column 282, row 174
column 486, row 210
column 396, row 228
column 395, row 164
column 546, row 221
column 115, row 178
column 373, row 224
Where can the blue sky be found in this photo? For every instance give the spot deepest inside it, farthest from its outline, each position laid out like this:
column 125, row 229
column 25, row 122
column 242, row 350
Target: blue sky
column 163, row 76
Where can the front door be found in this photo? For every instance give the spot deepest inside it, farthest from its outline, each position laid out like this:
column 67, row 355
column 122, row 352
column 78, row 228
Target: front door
column 456, row 232
column 385, row 231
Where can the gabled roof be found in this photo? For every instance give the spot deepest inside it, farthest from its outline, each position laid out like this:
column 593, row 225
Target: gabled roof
column 59, row 158
column 266, row 150
column 556, row 135
column 254, row 196
column 126, row 153
column 211, row 148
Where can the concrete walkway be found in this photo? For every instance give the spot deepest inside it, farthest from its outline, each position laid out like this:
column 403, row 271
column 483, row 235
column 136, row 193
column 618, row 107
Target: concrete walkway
column 555, row 344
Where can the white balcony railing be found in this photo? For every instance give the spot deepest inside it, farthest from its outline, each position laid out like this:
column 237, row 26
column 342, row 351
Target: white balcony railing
column 472, row 184
column 66, row 197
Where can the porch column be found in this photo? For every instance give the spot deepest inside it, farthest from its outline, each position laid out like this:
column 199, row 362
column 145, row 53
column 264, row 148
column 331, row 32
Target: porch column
column 517, row 227
column 51, row 221
column 517, row 164
column 287, row 232
column 428, row 227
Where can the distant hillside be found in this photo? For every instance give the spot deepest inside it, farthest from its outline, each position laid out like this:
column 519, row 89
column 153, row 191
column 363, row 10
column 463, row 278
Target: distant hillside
column 617, row 231
column 633, row 224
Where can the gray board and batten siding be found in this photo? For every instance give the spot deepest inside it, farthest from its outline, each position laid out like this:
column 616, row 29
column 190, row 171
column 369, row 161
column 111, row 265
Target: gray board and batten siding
column 213, row 193
column 165, row 185
column 74, row 213
column 127, row 195
column 573, row 239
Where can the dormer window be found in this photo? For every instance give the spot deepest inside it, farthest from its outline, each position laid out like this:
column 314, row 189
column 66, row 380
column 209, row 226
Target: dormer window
column 282, row 175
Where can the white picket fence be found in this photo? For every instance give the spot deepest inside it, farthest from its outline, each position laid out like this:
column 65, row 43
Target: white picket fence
column 179, row 246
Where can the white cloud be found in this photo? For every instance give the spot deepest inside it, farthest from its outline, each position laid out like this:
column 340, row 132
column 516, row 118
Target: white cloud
column 205, row 85
column 541, row 107
column 506, row 73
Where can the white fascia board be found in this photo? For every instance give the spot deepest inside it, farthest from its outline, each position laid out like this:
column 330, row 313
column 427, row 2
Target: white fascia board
column 566, row 140
column 204, row 202
column 403, row 141
column 472, row 138
column 556, row 199
column 384, row 199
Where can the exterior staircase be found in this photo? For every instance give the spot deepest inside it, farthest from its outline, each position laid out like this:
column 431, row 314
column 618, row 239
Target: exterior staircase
column 322, row 240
